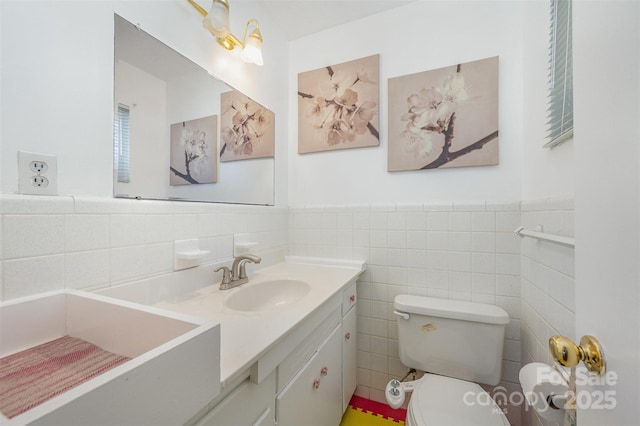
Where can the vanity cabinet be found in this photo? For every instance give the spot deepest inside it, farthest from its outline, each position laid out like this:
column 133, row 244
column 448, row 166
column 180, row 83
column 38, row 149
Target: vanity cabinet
column 287, row 364
column 320, row 391
column 307, row 378
column 314, row 397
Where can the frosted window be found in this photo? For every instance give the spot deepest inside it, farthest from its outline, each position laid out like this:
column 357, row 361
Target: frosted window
column 121, row 143
column 560, row 113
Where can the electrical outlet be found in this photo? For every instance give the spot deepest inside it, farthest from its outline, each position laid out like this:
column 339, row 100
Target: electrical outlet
column 38, row 167
column 39, row 181
column 37, row 173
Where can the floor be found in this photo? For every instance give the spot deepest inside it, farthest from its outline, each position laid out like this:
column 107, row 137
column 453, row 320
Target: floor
column 364, row 412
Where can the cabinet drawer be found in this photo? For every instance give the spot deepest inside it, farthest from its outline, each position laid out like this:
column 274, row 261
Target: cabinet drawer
column 248, row 404
column 349, row 298
column 301, row 354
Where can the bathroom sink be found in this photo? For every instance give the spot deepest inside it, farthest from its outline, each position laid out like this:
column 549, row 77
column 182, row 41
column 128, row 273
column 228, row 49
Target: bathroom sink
column 267, row 295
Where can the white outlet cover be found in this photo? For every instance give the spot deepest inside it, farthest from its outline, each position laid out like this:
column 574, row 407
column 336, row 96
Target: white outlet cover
column 26, row 175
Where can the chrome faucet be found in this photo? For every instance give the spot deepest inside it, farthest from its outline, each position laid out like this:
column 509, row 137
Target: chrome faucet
column 237, row 274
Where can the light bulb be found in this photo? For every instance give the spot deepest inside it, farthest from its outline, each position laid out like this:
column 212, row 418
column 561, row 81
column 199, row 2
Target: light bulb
column 252, row 51
column 217, row 20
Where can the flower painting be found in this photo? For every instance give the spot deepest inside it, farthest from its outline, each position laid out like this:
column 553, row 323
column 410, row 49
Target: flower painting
column 338, row 106
column 247, row 129
column 193, row 157
column 446, row 117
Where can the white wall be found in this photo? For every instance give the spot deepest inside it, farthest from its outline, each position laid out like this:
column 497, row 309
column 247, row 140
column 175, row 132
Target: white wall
column 57, row 90
column 607, row 181
column 57, row 82
column 146, row 97
column 417, row 37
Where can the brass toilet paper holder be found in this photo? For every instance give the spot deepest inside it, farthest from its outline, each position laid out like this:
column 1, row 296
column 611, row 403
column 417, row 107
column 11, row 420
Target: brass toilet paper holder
column 568, row 354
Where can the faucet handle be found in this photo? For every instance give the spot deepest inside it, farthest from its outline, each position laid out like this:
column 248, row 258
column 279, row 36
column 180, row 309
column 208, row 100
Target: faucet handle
column 238, row 269
column 242, row 269
column 226, row 274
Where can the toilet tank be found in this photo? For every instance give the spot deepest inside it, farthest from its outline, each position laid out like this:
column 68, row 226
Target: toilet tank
column 451, row 338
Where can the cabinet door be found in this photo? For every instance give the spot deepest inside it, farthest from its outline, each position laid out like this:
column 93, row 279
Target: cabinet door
column 295, row 404
column 313, row 397
column 349, row 358
column 329, row 397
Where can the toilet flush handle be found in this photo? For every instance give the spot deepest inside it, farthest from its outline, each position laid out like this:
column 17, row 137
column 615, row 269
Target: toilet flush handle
column 404, row 315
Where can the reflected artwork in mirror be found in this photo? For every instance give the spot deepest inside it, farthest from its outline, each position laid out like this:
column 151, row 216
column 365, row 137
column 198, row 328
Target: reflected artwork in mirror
column 248, row 128
column 193, row 151
column 167, row 126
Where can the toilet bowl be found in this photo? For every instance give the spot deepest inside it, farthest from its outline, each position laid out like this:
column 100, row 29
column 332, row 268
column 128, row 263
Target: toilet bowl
column 459, row 344
column 439, row 400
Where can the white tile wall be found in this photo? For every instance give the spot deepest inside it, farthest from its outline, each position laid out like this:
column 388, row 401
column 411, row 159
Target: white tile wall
column 87, row 269
column 547, row 298
column 87, row 232
column 456, row 251
column 50, row 243
column 33, row 235
column 32, row 275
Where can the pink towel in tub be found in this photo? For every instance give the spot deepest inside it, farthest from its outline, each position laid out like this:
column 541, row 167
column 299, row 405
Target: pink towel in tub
column 35, row 375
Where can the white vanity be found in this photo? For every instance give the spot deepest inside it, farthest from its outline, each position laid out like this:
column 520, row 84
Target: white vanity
column 287, row 345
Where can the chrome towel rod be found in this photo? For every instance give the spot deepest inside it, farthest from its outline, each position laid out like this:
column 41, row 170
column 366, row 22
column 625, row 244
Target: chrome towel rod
column 568, row 241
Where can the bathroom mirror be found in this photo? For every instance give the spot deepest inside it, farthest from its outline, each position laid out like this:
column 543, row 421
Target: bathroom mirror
column 167, row 113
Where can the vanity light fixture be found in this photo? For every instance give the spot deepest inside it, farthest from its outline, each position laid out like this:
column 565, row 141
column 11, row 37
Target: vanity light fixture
column 217, row 22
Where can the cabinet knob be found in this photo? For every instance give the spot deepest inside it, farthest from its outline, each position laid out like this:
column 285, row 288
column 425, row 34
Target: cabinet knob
column 352, row 298
column 347, row 336
column 316, row 383
column 324, row 371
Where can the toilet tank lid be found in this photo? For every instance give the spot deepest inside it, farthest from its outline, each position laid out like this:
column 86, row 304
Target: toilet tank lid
column 453, row 309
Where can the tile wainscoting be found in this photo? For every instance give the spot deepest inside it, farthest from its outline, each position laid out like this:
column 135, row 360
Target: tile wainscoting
column 456, row 251
column 453, row 251
column 51, row 243
column 548, row 284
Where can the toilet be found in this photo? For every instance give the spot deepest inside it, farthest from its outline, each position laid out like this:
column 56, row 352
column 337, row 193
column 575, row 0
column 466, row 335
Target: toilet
column 459, row 345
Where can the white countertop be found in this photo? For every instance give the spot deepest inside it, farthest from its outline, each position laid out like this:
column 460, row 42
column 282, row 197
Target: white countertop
column 246, row 336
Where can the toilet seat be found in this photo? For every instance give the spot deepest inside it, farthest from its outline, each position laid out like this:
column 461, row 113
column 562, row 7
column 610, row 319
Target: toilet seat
column 440, row 400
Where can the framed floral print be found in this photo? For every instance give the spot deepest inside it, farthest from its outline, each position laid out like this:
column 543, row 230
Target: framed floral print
column 446, row 117
column 338, row 106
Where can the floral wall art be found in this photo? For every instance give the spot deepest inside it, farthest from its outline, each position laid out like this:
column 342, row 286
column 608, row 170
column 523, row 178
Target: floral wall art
column 338, row 106
column 247, row 129
column 193, row 157
column 446, row 117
